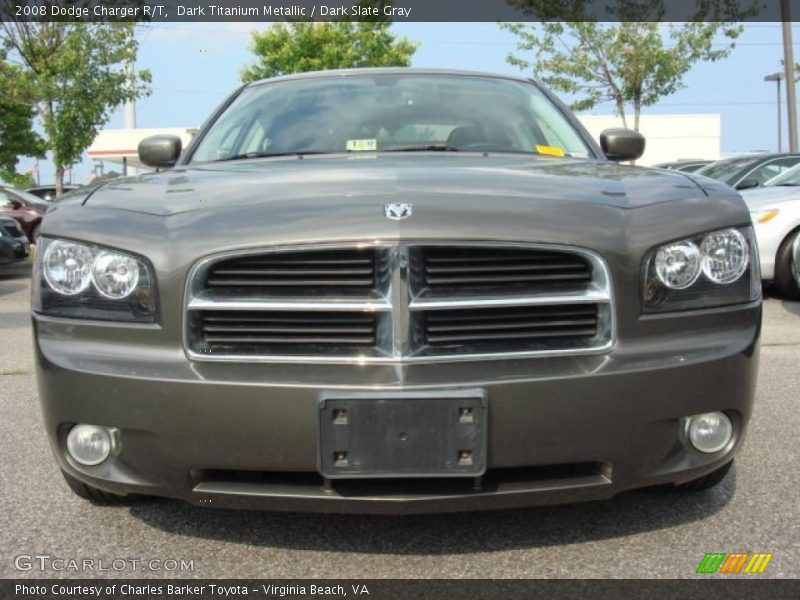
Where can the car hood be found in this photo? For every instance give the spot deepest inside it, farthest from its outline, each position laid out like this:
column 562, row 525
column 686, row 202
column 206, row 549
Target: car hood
column 179, row 216
column 291, row 184
column 767, row 197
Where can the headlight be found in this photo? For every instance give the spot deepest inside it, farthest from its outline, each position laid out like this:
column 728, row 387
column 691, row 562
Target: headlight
column 115, row 275
column 713, row 269
column 67, row 267
column 85, row 281
column 678, row 265
column 725, row 256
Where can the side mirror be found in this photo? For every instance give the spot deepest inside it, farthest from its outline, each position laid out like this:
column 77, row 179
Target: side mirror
column 16, row 205
column 747, row 184
column 622, row 144
column 160, row 151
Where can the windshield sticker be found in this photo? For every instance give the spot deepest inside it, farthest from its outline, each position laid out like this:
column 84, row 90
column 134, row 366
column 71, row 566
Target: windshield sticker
column 362, row 145
column 551, row 150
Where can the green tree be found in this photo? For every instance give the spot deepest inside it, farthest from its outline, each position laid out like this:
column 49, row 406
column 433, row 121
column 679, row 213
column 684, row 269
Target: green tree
column 632, row 64
column 305, row 46
column 76, row 74
column 17, row 136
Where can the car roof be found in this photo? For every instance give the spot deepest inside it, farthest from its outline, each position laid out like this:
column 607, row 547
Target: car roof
column 685, row 161
column 760, row 157
column 334, row 73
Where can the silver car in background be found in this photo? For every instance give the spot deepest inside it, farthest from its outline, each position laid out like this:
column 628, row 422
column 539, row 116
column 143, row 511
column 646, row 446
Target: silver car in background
column 797, row 260
column 775, row 210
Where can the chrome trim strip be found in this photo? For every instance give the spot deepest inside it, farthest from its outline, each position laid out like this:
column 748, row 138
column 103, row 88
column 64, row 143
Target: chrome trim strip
column 592, row 297
column 370, row 359
column 394, row 347
column 289, row 304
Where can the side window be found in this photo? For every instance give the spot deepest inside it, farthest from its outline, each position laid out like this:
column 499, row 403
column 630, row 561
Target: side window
column 5, row 201
column 772, row 169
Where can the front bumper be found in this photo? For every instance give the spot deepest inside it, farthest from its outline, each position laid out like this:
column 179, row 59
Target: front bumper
column 561, row 429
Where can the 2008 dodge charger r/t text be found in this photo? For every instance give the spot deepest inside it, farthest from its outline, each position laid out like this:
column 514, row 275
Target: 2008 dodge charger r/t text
column 395, row 290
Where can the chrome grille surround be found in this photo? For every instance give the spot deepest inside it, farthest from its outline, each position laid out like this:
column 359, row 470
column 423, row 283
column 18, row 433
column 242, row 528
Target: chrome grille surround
column 397, row 304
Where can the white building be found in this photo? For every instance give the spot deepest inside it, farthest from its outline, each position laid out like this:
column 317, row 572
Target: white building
column 669, row 137
column 120, row 146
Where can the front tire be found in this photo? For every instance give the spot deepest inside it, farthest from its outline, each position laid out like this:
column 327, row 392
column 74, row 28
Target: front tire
column 94, row 495
column 707, row 481
column 785, row 283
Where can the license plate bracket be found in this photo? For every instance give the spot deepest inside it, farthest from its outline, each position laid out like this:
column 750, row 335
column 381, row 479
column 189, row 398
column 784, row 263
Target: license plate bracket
column 408, row 434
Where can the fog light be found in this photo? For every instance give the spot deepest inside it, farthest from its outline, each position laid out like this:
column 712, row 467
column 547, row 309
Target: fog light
column 710, row 432
column 89, row 444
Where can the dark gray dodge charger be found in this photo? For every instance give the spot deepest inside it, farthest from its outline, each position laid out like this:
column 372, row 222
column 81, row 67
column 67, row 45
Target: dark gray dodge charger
column 395, row 291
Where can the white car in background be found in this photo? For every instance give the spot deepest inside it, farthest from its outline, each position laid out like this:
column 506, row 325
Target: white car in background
column 775, row 211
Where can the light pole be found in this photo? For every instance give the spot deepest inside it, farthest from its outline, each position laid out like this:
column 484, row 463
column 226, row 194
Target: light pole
column 788, row 65
column 777, row 78
column 130, row 116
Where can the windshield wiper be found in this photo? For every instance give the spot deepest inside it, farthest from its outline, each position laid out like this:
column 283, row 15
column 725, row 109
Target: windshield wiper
column 446, row 148
column 247, row 155
column 428, row 148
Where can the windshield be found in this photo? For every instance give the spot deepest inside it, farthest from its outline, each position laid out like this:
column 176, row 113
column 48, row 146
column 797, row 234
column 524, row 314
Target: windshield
column 727, row 170
column 385, row 113
column 789, row 177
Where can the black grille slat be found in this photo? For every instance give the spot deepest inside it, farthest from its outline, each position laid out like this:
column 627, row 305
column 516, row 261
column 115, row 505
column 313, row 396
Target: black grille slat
column 518, row 335
column 284, row 341
column 465, row 269
column 286, row 329
column 486, row 255
column 525, row 325
column 495, row 279
column 294, row 332
column 494, row 268
column 292, row 272
column 295, row 260
column 299, row 282
column 296, row 273
column 303, row 318
column 485, row 315
column 515, row 327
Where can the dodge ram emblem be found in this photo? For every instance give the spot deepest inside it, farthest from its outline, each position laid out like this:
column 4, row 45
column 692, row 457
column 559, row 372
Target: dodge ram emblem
column 397, row 211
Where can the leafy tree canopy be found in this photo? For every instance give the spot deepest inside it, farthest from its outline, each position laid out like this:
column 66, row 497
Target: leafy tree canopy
column 630, row 63
column 17, row 136
column 75, row 74
column 305, row 46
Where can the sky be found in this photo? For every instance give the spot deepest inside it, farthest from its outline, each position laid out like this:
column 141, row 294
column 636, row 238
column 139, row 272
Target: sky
column 196, row 65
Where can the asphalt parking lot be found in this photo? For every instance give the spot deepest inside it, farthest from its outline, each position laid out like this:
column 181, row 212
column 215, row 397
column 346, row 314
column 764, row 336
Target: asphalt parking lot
column 652, row 533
